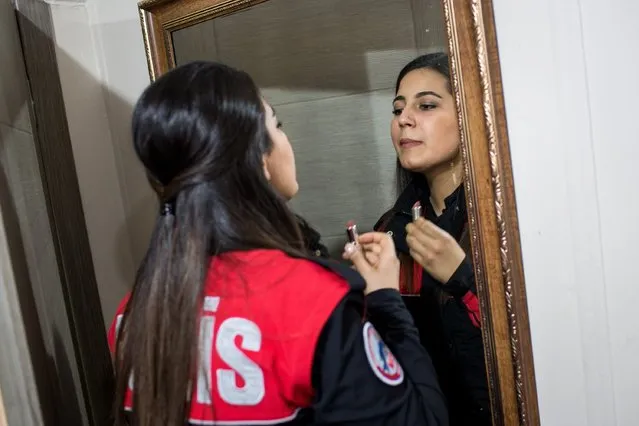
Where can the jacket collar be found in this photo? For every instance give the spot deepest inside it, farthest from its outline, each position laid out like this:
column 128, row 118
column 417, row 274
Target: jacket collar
column 400, row 215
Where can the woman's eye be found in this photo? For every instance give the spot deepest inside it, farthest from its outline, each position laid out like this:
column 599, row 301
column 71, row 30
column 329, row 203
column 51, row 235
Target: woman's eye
column 279, row 124
column 397, row 111
column 427, row 107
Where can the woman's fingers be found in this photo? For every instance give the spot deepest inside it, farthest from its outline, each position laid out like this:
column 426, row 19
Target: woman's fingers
column 372, row 247
column 372, row 238
column 419, row 240
column 355, row 254
column 417, row 245
column 372, row 258
column 417, row 257
column 425, row 227
column 380, row 244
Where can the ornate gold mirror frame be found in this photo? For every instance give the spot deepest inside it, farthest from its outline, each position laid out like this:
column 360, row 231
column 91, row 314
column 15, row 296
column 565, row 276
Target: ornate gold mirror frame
column 489, row 182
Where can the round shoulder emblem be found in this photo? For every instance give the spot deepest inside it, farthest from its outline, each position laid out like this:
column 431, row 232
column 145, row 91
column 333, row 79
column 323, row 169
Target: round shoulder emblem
column 381, row 359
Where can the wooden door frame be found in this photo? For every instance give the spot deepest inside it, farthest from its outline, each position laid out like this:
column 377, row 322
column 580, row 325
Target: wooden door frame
column 68, row 226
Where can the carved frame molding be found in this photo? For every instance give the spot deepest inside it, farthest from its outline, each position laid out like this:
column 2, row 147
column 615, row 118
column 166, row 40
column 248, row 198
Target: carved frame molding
column 476, row 79
column 494, row 226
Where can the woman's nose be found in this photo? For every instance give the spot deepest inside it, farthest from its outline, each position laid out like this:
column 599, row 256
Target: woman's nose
column 406, row 119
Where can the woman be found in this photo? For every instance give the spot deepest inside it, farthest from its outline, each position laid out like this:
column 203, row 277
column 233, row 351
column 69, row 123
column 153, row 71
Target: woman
column 228, row 321
column 436, row 274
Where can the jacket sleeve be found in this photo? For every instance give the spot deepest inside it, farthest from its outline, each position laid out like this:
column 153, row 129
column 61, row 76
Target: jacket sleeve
column 462, row 286
column 469, row 365
column 462, row 327
column 362, row 379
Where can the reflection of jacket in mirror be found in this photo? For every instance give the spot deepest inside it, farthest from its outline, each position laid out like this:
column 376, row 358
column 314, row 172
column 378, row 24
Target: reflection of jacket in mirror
column 446, row 314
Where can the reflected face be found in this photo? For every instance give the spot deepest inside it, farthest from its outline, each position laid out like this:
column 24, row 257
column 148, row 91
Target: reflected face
column 279, row 164
column 424, row 128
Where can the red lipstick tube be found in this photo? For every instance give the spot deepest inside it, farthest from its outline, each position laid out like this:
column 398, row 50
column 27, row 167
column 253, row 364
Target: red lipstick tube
column 416, row 210
column 351, row 232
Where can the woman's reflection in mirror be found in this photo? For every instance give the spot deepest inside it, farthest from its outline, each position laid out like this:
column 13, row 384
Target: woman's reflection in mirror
column 437, row 278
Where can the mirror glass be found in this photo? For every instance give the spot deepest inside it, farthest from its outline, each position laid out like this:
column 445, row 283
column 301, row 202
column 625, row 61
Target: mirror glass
column 329, row 69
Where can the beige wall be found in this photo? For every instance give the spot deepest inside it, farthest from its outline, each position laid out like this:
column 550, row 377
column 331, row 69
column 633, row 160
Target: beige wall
column 103, row 182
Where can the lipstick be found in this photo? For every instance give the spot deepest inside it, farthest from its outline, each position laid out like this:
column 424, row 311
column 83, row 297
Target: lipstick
column 351, row 232
column 416, row 210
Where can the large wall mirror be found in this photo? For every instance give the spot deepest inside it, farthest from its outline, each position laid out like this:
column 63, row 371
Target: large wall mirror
column 329, row 69
column 331, row 93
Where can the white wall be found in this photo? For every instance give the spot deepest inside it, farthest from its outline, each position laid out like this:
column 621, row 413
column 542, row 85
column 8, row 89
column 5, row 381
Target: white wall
column 570, row 72
column 570, row 79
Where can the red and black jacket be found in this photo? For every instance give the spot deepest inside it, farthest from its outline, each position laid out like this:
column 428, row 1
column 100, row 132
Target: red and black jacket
column 286, row 341
column 446, row 314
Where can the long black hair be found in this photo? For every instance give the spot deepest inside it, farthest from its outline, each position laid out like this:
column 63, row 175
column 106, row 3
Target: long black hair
column 200, row 132
column 437, row 62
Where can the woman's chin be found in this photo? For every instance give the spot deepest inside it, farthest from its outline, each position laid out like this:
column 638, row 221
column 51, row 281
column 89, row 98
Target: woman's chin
column 292, row 192
column 412, row 165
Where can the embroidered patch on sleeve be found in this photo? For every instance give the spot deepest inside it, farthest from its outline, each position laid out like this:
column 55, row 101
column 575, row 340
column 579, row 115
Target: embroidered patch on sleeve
column 381, row 359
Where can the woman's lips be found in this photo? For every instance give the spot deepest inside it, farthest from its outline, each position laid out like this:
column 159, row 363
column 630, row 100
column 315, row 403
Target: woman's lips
column 409, row 143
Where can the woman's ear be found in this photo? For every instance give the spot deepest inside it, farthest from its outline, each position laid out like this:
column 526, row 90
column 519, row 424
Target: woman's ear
column 267, row 173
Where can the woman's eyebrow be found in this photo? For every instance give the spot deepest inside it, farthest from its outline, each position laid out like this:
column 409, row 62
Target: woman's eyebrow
column 427, row 93
column 418, row 95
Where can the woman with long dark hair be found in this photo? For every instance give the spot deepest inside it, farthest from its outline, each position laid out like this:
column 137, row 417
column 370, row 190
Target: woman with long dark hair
column 437, row 278
column 229, row 321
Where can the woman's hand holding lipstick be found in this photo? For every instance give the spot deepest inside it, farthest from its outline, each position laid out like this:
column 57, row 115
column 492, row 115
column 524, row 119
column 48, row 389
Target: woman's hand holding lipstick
column 374, row 258
column 434, row 249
